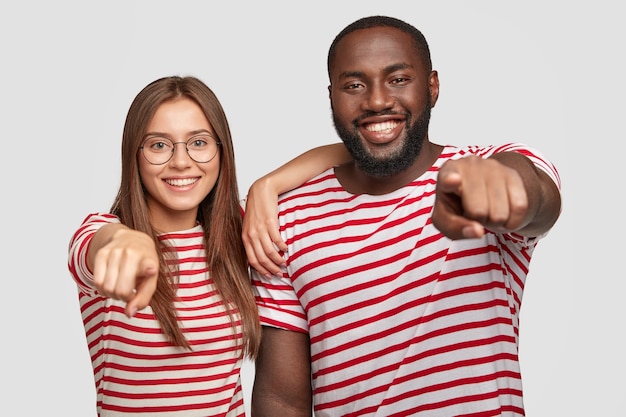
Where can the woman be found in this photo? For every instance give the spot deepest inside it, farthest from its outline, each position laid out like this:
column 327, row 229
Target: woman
column 163, row 278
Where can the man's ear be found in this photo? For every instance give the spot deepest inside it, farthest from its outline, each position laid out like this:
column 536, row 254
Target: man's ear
column 433, row 86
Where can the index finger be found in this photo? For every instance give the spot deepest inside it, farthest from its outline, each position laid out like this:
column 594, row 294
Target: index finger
column 146, row 286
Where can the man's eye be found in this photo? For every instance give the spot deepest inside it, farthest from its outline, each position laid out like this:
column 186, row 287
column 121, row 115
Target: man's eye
column 399, row 80
column 352, row 86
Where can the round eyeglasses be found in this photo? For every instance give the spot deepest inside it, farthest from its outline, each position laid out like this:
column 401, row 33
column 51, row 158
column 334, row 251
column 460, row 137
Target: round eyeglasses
column 159, row 150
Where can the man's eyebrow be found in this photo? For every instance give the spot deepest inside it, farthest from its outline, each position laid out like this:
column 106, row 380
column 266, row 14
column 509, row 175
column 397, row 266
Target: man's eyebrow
column 351, row 74
column 395, row 67
column 388, row 70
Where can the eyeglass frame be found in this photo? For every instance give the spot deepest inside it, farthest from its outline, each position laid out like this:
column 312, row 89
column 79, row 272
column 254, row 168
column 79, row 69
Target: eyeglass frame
column 217, row 143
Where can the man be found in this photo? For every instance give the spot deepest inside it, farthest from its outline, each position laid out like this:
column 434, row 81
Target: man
column 404, row 268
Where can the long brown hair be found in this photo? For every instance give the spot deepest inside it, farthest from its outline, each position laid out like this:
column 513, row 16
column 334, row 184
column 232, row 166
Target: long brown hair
column 219, row 213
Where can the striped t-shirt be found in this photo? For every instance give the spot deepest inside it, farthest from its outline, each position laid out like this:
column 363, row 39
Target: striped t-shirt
column 136, row 370
column 402, row 320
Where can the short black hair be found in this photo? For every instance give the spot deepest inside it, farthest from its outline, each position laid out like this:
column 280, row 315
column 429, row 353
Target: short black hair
column 421, row 45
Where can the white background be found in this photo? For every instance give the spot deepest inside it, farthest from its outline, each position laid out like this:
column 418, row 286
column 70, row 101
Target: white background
column 548, row 73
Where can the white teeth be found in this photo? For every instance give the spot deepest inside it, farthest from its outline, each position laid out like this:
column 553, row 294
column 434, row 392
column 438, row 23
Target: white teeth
column 181, row 182
column 381, row 127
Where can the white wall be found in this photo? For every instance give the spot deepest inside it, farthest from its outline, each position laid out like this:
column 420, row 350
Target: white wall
column 549, row 73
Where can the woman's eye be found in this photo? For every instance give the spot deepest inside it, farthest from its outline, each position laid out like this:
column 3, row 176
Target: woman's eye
column 198, row 142
column 158, row 145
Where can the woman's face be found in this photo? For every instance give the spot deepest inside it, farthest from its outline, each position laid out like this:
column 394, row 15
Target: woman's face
column 176, row 187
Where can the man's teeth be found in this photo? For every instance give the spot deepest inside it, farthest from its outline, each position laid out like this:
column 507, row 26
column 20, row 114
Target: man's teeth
column 181, row 181
column 381, row 127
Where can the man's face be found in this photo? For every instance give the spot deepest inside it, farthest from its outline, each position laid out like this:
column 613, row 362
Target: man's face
column 381, row 95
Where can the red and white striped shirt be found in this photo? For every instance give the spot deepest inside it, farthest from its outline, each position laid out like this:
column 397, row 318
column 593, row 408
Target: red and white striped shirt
column 402, row 320
column 136, row 370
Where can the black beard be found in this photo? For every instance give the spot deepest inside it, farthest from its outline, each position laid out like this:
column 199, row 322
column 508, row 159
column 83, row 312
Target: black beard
column 392, row 164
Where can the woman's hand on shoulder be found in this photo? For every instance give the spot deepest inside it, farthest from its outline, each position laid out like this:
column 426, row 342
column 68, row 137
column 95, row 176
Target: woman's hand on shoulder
column 260, row 234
